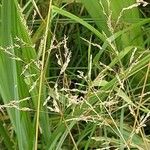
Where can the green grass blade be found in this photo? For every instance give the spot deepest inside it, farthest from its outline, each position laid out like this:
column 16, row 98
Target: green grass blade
column 79, row 20
column 12, row 86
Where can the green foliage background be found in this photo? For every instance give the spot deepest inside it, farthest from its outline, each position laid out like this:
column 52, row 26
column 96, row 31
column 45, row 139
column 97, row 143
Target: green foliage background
column 74, row 74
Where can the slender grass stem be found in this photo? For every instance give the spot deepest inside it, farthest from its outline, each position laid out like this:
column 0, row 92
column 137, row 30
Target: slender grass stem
column 42, row 76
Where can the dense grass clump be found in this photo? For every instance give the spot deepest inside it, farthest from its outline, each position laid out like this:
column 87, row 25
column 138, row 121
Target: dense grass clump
column 74, row 74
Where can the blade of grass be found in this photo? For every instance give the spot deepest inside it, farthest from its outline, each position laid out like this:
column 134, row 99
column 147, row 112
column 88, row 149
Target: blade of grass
column 12, row 86
column 79, row 20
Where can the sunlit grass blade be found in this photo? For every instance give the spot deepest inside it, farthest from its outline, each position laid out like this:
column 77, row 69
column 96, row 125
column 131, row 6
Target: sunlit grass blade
column 116, row 15
column 12, row 86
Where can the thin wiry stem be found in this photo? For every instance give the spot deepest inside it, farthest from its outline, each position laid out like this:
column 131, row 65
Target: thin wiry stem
column 42, row 76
